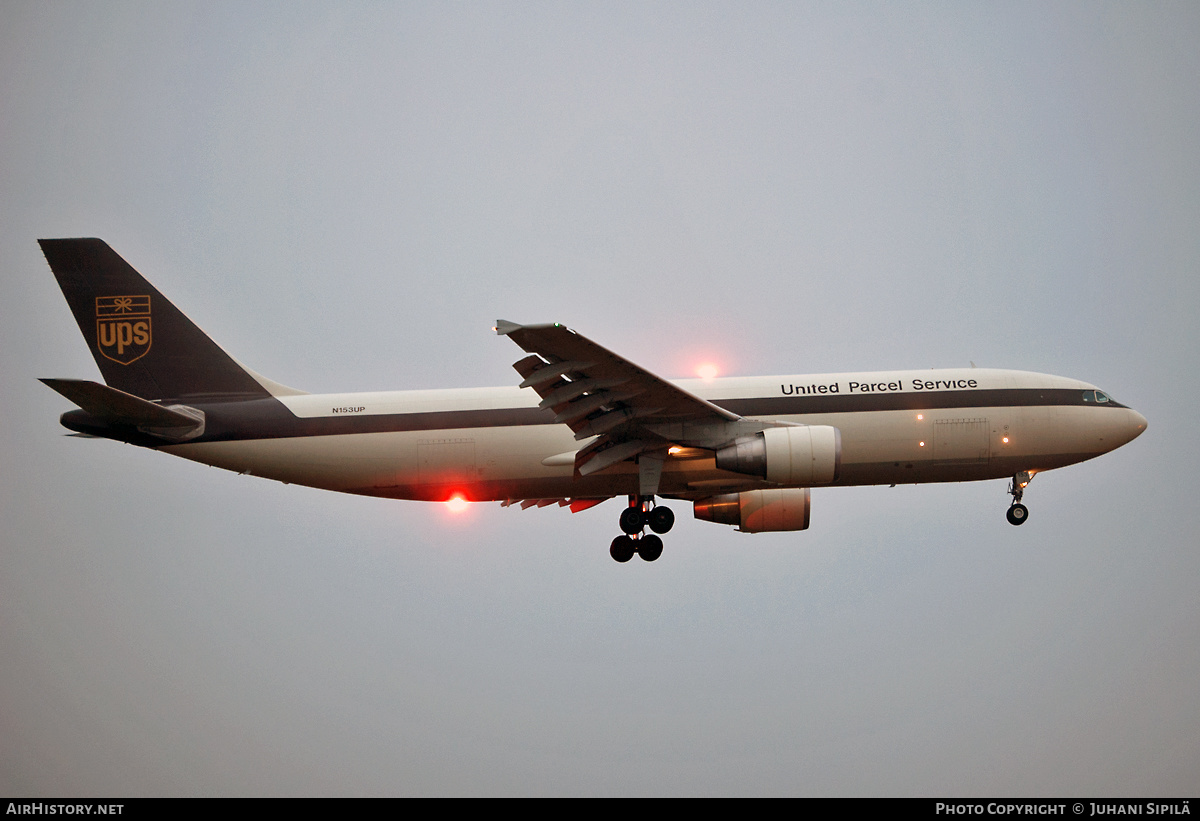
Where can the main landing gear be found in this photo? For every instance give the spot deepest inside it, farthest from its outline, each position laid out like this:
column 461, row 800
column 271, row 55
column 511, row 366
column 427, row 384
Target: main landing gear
column 1017, row 512
column 640, row 514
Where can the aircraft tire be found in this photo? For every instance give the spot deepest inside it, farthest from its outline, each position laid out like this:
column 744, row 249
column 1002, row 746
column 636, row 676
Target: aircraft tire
column 1017, row 514
column 622, row 549
column 662, row 519
column 650, row 548
column 632, row 520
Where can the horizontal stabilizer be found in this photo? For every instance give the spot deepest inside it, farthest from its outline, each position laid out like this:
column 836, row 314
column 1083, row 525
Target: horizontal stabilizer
column 117, row 407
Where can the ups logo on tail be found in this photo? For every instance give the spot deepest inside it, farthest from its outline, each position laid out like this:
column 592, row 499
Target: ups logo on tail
column 123, row 327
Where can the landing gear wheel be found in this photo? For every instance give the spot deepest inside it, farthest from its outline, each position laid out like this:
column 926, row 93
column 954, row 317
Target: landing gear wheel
column 632, row 520
column 622, row 549
column 661, row 519
column 650, row 548
column 1017, row 514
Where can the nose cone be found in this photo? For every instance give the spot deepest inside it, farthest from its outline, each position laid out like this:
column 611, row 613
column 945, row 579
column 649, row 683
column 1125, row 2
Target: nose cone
column 1130, row 427
column 1136, row 426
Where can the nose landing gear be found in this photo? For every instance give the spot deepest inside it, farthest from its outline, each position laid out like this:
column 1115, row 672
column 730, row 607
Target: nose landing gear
column 634, row 519
column 1017, row 512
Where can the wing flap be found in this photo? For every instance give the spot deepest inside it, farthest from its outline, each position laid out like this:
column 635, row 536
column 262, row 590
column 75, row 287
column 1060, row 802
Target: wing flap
column 592, row 461
column 544, row 373
column 575, row 505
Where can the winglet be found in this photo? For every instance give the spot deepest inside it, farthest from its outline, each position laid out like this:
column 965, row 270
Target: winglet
column 504, row 327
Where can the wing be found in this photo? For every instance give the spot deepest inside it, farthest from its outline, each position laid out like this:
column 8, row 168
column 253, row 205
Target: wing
column 632, row 412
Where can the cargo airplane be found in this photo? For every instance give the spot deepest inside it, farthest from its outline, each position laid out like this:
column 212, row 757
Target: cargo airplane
column 583, row 425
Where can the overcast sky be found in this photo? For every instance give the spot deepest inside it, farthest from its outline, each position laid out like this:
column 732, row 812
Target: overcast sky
column 348, row 195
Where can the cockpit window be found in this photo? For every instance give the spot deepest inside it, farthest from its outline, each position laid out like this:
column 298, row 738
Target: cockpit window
column 1099, row 397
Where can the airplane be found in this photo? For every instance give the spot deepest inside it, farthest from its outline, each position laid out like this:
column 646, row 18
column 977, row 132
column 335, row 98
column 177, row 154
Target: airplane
column 582, row 426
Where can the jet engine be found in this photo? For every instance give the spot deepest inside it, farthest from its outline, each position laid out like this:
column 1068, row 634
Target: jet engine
column 758, row 511
column 792, row 455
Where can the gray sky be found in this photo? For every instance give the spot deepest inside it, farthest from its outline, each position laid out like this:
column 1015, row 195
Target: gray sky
column 347, row 195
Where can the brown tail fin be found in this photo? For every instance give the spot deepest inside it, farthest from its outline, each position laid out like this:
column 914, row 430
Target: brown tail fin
column 143, row 344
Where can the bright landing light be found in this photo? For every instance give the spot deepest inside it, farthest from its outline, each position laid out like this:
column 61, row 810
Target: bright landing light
column 706, row 371
column 456, row 504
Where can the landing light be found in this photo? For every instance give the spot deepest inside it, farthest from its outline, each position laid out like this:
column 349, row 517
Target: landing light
column 456, row 504
column 707, row 371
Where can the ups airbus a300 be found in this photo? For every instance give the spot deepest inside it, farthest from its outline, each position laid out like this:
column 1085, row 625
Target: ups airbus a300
column 583, row 425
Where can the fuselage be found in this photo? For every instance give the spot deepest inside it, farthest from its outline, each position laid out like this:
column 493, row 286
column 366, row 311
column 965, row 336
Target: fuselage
column 497, row 444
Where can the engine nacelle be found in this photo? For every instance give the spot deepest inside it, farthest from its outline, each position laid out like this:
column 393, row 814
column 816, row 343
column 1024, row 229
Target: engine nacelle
column 792, row 455
column 758, row 511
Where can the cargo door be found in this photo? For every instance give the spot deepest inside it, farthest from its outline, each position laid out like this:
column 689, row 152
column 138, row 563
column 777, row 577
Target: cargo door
column 446, row 461
column 961, row 441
